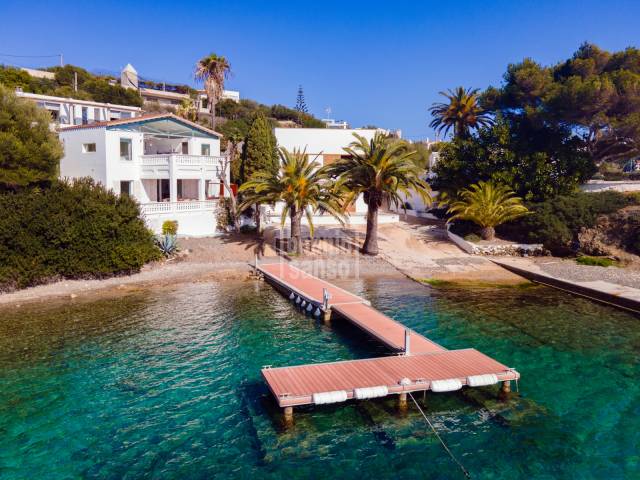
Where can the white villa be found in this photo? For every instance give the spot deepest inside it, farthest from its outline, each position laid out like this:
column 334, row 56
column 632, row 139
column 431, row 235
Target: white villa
column 326, row 145
column 72, row 111
column 171, row 166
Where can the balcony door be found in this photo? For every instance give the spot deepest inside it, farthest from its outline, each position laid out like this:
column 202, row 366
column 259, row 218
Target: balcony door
column 185, row 148
column 162, row 190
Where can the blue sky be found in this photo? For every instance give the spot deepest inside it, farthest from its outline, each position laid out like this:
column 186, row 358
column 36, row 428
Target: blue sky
column 372, row 62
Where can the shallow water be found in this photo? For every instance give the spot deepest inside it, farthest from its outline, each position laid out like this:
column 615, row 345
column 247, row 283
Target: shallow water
column 166, row 384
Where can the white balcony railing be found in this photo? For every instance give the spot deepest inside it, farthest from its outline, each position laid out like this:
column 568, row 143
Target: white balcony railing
column 175, row 207
column 180, row 159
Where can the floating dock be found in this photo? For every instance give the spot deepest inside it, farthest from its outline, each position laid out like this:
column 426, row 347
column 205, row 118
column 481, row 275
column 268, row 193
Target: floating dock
column 422, row 364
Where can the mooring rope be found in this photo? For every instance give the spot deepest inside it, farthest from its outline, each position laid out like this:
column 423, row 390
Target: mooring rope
column 444, row 445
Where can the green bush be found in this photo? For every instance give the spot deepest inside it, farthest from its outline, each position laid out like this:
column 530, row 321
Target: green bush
column 72, row 230
column 170, row 227
column 29, row 150
column 473, row 238
column 557, row 222
column 90, row 87
column 596, row 261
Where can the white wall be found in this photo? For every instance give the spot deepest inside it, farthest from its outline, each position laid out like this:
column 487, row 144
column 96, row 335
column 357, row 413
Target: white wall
column 75, row 163
column 604, row 185
column 317, row 140
column 190, row 224
column 117, row 169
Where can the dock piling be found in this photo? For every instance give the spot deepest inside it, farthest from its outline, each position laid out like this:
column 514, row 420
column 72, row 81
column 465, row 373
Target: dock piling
column 288, row 415
column 402, row 401
column 505, row 389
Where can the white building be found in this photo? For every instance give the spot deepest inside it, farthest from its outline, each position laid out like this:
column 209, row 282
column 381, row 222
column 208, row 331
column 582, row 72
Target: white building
column 71, row 111
column 171, row 166
column 168, row 95
column 326, row 145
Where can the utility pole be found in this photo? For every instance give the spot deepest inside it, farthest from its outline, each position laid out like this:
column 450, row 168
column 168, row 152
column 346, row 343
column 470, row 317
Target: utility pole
column 75, row 81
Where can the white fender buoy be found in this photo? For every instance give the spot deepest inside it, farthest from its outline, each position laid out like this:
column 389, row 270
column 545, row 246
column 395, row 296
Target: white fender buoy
column 309, row 308
column 448, row 385
column 329, row 397
column 370, row 392
column 298, row 300
column 303, row 304
column 292, row 296
column 317, row 312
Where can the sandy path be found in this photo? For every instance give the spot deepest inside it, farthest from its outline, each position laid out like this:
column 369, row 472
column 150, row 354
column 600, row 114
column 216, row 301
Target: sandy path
column 423, row 253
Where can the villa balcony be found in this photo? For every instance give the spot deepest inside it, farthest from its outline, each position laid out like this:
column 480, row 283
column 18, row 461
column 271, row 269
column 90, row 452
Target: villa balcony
column 158, row 208
column 180, row 165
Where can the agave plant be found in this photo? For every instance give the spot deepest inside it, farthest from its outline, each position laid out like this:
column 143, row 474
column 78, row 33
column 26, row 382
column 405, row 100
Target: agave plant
column 168, row 244
column 487, row 205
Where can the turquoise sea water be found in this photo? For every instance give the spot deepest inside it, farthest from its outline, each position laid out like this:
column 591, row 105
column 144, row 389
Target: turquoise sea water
column 165, row 384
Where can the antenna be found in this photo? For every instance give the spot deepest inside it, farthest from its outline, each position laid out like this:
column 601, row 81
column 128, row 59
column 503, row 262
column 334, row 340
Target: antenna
column 328, row 112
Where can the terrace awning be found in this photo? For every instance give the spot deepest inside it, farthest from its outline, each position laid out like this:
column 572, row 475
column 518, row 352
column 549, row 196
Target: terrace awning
column 163, row 128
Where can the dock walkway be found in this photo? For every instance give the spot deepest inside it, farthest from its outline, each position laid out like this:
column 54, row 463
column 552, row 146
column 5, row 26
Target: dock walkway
column 423, row 365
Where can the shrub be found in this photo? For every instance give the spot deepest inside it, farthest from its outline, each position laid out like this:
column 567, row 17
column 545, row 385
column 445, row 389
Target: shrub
column 170, row 227
column 72, row 230
column 29, row 151
column 557, row 222
column 223, row 214
column 473, row 238
column 596, row 261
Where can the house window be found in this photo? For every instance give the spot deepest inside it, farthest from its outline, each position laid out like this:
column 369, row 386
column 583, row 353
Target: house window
column 185, row 148
column 180, row 188
column 205, row 149
column 85, row 115
column 125, row 149
column 88, row 147
column 205, row 103
column 96, row 114
column 125, row 187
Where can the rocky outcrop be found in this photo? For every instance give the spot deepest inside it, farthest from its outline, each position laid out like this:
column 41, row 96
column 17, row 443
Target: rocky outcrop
column 613, row 234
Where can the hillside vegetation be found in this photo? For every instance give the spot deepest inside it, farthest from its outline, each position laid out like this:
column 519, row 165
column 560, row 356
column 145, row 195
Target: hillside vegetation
column 90, row 87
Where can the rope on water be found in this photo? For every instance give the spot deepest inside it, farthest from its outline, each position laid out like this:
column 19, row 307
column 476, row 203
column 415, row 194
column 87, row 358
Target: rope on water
column 464, row 470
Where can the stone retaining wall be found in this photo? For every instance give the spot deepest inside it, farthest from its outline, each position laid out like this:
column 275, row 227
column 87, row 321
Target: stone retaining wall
column 510, row 249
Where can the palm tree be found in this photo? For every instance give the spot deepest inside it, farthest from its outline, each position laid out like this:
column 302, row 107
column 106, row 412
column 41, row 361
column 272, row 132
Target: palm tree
column 461, row 111
column 487, row 205
column 187, row 110
column 213, row 70
column 303, row 187
column 380, row 169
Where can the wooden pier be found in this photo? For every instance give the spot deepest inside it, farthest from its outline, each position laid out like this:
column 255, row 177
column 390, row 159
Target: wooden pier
column 422, row 365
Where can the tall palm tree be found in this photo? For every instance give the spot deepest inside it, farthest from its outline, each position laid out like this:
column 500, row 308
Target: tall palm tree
column 303, row 187
column 380, row 169
column 461, row 112
column 213, row 70
column 487, row 205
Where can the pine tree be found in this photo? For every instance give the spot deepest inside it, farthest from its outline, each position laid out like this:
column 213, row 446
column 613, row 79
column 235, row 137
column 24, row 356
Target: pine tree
column 259, row 149
column 301, row 106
